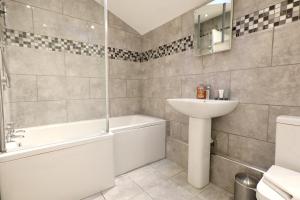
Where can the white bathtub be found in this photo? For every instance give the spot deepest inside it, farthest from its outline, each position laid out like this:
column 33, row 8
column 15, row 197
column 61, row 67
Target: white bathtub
column 138, row 140
column 74, row 160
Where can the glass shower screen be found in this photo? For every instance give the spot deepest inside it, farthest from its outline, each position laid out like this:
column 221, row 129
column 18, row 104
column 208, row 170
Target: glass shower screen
column 53, row 70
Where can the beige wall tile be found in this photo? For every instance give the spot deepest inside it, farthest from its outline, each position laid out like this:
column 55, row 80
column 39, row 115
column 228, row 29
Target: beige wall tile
column 97, row 88
column 174, row 65
column 243, row 7
column 23, row 88
column 117, row 88
column 52, row 88
column 84, row 66
column 154, row 107
column 31, row 61
column 171, row 114
column 223, row 172
column 125, row 106
column 220, row 145
column 84, row 9
column 179, row 131
column 155, row 68
column 171, row 87
column 166, row 33
column 275, row 85
column 177, row 151
column 125, row 69
column 286, row 48
column 124, row 40
column 134, row 88
column 86, row 109
column 78, row 88
column 96, row 33
column 18, row 17
column 215, row 80
column 53, row 5
column 255, row 152
column 250, row 51
column 57, row 25
column 116, row 22
column 187, row 23
column 28, row 114
column 51, row 112
column 246, row 120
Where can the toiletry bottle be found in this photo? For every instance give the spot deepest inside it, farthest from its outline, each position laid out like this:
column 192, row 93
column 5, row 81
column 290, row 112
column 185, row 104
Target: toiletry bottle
column 207, row 92
column 201, row 93
column 216, row 94
column 221, row 94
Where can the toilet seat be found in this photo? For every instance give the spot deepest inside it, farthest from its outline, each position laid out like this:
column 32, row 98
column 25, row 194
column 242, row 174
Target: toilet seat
column 264, row 192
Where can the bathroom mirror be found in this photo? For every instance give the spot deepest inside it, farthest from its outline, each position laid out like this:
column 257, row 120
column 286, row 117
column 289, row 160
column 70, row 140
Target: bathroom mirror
column 213, row 25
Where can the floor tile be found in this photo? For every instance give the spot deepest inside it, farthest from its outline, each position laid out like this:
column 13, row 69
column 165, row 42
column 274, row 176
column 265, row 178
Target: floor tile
column 124, row 189
column 95, row 197
column 147, row 177
column 143, row 196
column 181, row 180
column 212, row 192
column 169, row 191
column 167, row 168
column 163, row 180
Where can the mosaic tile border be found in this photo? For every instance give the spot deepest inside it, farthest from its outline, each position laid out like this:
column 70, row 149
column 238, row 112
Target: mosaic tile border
column 275, row 15
column 174, row 47
column 31, row 40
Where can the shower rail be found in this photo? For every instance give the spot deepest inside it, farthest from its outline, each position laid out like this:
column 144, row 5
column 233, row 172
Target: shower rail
column 4, row 79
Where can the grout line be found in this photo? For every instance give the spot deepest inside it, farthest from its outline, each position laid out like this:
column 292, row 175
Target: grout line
column 258, row 169
column 56, row 12
column 268, row 123
column 272, row 49
column 234, row 134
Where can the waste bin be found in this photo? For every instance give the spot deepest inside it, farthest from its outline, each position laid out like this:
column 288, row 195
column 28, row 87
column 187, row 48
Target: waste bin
column 245, row 187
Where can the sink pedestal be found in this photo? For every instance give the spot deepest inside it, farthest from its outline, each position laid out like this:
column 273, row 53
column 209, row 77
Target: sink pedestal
column 199, row 152
column 200, row 112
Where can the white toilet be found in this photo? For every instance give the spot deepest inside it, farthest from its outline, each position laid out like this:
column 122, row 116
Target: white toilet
column 285, row 174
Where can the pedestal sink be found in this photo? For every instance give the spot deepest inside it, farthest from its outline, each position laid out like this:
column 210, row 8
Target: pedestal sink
column 200, row 112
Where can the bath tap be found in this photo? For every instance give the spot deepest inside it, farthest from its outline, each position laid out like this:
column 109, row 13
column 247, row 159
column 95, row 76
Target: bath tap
column 16, row 135
column 12, row 133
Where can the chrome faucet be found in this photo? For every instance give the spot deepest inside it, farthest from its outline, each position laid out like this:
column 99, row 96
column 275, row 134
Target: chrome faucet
column 12, row 133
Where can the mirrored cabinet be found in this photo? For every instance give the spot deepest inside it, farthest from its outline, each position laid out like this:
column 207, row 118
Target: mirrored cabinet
column 213, row 27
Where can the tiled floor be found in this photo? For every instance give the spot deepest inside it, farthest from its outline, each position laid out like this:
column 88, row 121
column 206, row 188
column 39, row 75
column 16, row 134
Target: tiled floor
column 163, row 180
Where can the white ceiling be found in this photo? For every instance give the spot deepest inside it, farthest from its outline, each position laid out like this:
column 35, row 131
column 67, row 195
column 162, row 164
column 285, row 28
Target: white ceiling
column 146, row 15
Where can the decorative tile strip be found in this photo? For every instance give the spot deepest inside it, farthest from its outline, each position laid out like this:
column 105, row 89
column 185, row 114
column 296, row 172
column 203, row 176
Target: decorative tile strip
column 282, row 13
column 275, row 15
column 31, row 40
column 122, row 54
column 177, row 46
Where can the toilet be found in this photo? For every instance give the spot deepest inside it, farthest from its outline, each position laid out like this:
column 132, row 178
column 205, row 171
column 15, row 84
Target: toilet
column 286, row 171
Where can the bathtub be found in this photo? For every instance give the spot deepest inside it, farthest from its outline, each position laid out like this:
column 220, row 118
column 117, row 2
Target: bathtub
column 138, row 140
column 72, row 161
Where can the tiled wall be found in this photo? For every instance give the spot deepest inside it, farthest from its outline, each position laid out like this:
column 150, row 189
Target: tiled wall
column 262, row 70
column 55, row 63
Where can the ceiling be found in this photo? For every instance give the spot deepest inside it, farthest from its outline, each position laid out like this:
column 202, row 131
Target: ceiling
column 146, row 15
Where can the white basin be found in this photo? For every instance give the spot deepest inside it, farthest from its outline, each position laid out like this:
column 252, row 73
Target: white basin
column 200, row 113
column 198, row 108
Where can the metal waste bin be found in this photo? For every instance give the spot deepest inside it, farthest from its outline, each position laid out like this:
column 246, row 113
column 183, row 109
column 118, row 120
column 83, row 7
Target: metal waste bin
column 245, row 187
